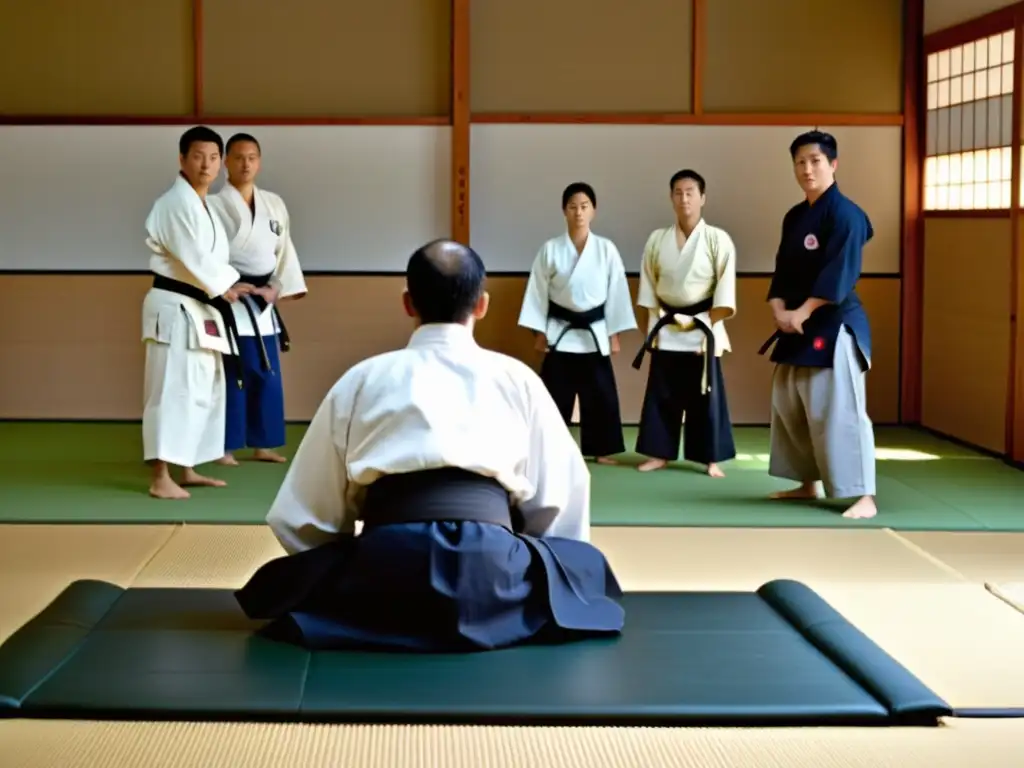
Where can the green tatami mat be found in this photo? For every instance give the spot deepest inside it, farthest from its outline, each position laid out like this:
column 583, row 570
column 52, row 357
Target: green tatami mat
column 84, row 472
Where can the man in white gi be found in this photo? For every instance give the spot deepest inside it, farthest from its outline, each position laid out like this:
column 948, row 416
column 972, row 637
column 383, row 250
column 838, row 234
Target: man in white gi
column 577, row 302
column 187, row 323
column 688, row 287
column 259, row 232
column 473, row 495
column 821, row 431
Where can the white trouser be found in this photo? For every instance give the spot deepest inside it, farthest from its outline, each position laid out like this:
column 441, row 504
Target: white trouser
column 183, row 421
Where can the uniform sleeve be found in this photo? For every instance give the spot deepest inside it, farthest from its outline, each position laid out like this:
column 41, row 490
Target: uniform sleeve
column 175, row 231
column 725, row 273
column 841, row 261
column 560, row 505
column 311, row 506
column 534, row 312
column 288, row 277
column 778, row 276
column 618, row 313
column 646, row 296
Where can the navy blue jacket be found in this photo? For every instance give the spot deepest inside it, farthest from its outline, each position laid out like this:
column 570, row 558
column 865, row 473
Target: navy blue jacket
column 820, row 257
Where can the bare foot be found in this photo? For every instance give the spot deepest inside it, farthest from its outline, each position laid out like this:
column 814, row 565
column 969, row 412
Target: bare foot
column 715, row 471
column 265, row 454
column 805, row 491
column 652, row 464
column 228, row 460
column 191, row 477
column 165, row 488
column 862, row 509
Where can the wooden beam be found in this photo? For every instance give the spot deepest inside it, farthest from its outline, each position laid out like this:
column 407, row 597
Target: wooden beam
column 912, row 223
column 460, row 121
column 1015, row 383
column 968, row 213
column 218, row 120
column 752, row 119
column 697, row 49
column 1000, row 20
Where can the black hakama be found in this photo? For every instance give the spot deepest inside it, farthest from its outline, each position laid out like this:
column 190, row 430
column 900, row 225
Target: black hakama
column 674, row 388
column 438, row 567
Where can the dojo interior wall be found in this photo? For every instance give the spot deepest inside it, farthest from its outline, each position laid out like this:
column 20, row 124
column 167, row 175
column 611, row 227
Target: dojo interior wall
column 972, row 342
column 542, row 67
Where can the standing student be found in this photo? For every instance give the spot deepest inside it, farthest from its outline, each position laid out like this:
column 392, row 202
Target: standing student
column 577, row 301
column 688, row 287
column 187, row 322
column 259, row 233
column 820, row 429
column 474, row 498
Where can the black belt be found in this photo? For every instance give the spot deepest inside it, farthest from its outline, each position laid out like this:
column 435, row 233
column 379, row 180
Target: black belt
column 779, row 334
column 448, row 494
column 255, row 306
column 710, row 360
column 771, row 341
column 222, row 305
column 668, row 317
column 581, row 321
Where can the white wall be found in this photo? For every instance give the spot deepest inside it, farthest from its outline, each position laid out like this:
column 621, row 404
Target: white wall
column 362, row 198
column 518, row 173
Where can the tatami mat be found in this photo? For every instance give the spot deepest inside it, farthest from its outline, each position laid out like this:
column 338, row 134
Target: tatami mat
column 960, row 640
column 951, row 632
column 644, row 558
column 40, row 744
column 210, row 556
column 38, row 561
column 1011, row 593
column 746, row 558
column 944, row 627
column 981, row 557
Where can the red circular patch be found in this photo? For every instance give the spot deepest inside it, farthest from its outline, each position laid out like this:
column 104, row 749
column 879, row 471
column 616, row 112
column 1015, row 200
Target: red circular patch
column 819, row 343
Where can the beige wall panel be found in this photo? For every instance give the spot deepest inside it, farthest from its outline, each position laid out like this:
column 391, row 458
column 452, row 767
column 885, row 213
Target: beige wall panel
column 567, row 56
column 804, row 56
column 965, row 355
column 92, row 368
column 942, row 14
column 96, row 57
column 267, row 58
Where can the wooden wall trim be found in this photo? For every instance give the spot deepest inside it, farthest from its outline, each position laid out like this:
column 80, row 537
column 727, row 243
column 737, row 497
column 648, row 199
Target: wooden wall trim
column 912, row 224
column 982, row 213
column 685, row 118
column 213, row 120
column 698, row 20
column 1015, row 382
column 460, row 121
column 1000, row 20
column 197, row 57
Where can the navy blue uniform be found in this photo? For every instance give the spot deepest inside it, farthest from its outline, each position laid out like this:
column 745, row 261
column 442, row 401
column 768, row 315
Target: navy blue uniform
column 820, row 430
column 820, row 257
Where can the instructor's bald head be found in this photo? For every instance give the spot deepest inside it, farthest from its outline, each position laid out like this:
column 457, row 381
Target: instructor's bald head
column 445, row 283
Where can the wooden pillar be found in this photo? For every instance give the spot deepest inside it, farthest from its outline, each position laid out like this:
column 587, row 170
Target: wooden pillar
column 460, row 121
column 1015, row 383
column 912, row 255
